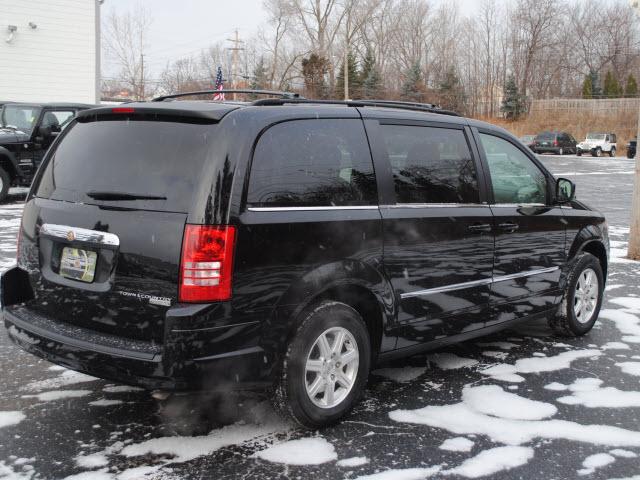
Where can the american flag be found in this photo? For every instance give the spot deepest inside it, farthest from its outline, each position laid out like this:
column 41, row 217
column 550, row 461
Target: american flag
column 219, row 85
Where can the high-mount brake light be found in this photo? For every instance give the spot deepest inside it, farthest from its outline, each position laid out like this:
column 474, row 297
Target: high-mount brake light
column 206, row 265
column 122, row 110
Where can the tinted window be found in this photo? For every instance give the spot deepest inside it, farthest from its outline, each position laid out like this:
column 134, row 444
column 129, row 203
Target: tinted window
column 430, row 165
column 514, row 176
column 313, row 163
column 161, row 159
column 546, row 136
column 56, row 119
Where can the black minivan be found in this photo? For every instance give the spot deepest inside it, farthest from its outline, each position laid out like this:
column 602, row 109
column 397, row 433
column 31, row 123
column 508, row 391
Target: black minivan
column 291, row 245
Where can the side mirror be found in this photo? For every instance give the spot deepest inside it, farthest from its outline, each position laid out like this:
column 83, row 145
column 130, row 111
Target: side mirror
column 44, row 132
column 565, row 190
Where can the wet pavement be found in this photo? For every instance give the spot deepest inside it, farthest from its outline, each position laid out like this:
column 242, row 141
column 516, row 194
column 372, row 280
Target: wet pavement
column 575, row 413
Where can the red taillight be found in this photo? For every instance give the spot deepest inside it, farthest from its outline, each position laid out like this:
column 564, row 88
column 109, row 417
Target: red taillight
column 555, row 143
column 206, row 266
column 122, row 110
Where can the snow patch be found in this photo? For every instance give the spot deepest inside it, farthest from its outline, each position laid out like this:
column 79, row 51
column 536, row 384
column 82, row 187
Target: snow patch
column 508, row 372
column 630, row 368
column 593, row 462
column 496, row 355
column 450, row 361
column 492, row 400
column 304, row 451
column 121, row 389
column 59, row 395
column 105, row 403
column 401, row 375
column 457, row 444
column 9, row 418
column 402, row 474
column 92, row 461
column 618, row 452
column 68, row 377
column 588, row 392
column 627, row 323
column 493, row 461
column 615, row 346
column 352, row 462
column 631, row 303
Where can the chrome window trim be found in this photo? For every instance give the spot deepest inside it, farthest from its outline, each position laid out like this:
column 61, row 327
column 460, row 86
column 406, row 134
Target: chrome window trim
column 518, row 205
column 311, row 209
column 435, row 205
column 80, row 234
column 477, row 283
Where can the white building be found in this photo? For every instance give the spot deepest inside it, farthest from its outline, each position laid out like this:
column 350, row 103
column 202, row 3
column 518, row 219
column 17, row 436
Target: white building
column 50, row 50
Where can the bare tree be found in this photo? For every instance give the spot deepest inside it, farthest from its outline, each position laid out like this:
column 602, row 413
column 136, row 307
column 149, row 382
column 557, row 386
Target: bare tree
column 125, row 41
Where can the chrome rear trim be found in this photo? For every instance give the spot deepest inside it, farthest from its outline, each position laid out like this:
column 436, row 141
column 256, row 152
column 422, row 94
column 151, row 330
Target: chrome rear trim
column 79, row 234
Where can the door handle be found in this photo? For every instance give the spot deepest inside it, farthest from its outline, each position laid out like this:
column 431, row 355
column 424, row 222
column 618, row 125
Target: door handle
column 480, row 228
column 508, row 227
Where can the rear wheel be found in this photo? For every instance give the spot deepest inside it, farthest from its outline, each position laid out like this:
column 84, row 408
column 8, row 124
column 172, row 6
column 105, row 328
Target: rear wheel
column 326, row 366
column 612, row 153
column 561, row 151
column 582, row 300
column 5, row 182
column 579, row 152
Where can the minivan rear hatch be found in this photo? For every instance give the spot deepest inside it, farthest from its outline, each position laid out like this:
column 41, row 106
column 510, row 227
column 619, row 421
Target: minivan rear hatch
column 107, row 218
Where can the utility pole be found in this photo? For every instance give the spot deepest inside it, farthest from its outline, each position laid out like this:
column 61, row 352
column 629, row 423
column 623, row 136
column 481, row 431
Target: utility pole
column 234, row 59
column 634, row 227
column 141, row 91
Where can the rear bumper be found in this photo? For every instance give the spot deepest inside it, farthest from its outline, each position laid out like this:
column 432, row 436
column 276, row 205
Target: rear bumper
column 555, row 150
column 134, row 362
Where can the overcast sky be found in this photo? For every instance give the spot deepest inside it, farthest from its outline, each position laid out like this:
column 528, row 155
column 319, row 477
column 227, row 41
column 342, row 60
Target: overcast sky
column 184, row 27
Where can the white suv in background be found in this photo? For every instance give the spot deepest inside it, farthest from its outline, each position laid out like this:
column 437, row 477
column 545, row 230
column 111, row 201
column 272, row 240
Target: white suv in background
column 597, row 144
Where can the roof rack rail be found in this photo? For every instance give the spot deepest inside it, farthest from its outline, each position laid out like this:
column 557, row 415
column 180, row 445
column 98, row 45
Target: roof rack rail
column 420, row 107
column 273, row 93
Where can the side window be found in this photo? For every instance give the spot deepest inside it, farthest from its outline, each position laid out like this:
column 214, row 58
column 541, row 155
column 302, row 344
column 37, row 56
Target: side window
column 313, row 163
column 514, row 176
column 430, row 165
column 56, row 119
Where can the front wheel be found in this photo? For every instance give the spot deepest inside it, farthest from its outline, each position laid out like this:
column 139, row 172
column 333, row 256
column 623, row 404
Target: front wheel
column 612, row 153
column 597, row 152
column 582, row 299
column 561, row 152
column 326, row 366
column 579, row 152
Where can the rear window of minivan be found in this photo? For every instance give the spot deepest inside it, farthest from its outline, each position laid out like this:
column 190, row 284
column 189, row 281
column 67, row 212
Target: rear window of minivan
column 546, row 136
column 161, row 160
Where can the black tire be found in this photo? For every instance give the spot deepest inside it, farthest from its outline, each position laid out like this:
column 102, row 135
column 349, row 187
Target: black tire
column 565, row 321
column 291, row 399
column 612, row 152
column 5, row 183
column 597, row 152
column 561, row 151
column 579, row 153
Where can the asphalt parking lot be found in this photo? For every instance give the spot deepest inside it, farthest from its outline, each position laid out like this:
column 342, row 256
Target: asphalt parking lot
column 570, row 410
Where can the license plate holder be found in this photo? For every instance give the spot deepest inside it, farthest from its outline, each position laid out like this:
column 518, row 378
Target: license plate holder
column 78, row 264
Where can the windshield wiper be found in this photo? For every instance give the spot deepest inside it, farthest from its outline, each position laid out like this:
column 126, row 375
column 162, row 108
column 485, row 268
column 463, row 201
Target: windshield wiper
column 115, row 196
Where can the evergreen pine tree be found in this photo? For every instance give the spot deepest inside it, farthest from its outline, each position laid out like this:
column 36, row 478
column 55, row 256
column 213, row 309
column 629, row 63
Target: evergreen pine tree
column 259, row 79
column 513, row 103
column 587, row 87
column 611, row 86
column 413, row 86
column 596, row 91
column 370, row 77
column 354, row 78
column 631, row 88
column 451, row 91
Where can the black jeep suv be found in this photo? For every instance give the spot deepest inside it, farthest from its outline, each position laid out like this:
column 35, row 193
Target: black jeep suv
column 26, row 132
column 290, row 244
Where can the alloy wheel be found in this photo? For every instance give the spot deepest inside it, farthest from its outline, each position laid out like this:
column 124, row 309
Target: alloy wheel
column 585, row 299
column 332, row 367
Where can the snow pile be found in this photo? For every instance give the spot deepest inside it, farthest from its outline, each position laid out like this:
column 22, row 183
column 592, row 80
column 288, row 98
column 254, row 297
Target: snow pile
column 630, row 368
column 457, row 444
column 507, row 372
column 493, row 461
column 593, row 462
column 352, row 462
column 95, row 460
column 305, row 451
column 9, row 418
column 462, row 419
column 588, row 392
column 450, row 361
column 400, row 375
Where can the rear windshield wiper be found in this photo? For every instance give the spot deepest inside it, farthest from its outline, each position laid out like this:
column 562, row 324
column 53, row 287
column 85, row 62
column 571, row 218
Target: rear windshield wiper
column 99, row 195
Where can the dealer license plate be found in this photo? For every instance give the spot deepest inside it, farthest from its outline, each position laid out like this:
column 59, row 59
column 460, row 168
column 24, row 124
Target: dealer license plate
column 78, row 264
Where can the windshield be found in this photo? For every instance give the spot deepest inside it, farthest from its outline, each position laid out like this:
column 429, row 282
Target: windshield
column 20, row 117
column 595, row 136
